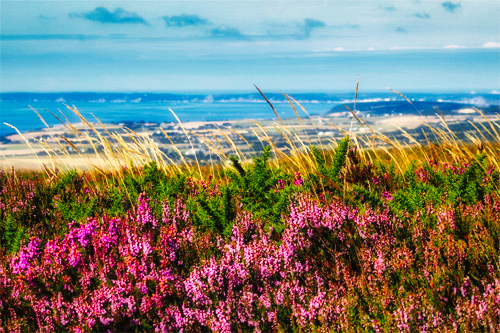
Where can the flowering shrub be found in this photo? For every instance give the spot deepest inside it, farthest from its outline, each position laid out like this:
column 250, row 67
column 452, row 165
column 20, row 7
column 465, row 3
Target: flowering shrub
column 333, row 267
column 354, row 247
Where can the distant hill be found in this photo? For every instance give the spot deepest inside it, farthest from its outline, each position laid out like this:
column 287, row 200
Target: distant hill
column 403, row 107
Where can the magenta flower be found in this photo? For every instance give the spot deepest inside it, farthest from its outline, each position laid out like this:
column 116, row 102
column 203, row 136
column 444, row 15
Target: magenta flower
column 387, row 195
column 379, row 263
column 298, row 179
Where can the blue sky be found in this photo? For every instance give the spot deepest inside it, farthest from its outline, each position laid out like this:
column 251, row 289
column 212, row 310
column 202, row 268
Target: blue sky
column 231, row 45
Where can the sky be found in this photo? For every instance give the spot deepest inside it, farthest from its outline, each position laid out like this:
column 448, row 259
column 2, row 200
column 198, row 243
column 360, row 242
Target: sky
column 231, row 45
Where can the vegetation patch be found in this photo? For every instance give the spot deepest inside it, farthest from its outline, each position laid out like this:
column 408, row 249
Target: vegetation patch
column 351, row 238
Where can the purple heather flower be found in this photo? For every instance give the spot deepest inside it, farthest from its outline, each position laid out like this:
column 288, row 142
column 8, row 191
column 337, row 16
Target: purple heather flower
column 379, row 263
column 387, row 195
column 144, row 214
column 298, row 179
column 22, row 261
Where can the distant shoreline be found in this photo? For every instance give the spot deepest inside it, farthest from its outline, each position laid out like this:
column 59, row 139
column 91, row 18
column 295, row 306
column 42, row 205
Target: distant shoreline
column 14, row 151
column 116, row 108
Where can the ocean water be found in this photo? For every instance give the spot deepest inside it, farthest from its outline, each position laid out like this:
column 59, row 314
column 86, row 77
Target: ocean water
column 16, row 108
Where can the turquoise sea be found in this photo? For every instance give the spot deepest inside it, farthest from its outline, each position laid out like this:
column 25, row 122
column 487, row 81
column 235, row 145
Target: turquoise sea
column 154, row 107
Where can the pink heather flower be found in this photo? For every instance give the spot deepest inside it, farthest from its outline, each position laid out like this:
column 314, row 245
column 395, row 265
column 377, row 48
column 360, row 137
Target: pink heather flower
column 446, row 218
column 422, row 174
column 166, row 217
column 402, row 319
column 264, row 300
column 315, row 304
column 105, row 321
column 379, row 264
column 144, row 215
column 387, row 196
column 253, row 275
column 85, row 232
column 22, row 261
column 110, row 238
column 74, row 256
column 272, row 316
column 298, row 179
column 134, row 246
column 220, row 323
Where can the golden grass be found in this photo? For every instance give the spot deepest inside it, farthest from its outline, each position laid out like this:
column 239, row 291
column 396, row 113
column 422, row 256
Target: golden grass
column 114, row 152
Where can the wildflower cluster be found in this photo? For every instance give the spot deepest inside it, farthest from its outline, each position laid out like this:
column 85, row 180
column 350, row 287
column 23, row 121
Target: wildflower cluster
column 333, row 266
column 351, row 247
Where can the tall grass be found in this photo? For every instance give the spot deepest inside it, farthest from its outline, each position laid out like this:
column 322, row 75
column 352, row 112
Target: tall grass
column 114, row 152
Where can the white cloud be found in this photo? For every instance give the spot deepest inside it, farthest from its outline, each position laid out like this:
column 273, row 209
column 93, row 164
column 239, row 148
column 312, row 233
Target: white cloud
column 337, row 49
column 453, row 46
column 398, row 48
column 491, row 45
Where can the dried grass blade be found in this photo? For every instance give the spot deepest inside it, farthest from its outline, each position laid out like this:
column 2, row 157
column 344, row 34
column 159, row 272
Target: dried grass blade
column 268, row 102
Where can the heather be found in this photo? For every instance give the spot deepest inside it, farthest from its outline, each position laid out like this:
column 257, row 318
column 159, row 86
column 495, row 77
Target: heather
column 361, row 233
column 351, row 245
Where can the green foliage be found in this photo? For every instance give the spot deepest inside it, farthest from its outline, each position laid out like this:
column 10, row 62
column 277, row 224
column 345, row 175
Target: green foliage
column 237, row 166
column 339, row 159
column 257, row 189
column 329, row 176
column 116, row 201
column 215, row 214
column 12, row 234
column 320, row 161
column 36, row 205
column 470, row 187
column 228, row 209
column 363, row 196
column 70, row 200
column 68, row 183
column 444, row 184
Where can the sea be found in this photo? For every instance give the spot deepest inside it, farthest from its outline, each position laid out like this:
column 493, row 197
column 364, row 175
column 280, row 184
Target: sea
column 17, row 109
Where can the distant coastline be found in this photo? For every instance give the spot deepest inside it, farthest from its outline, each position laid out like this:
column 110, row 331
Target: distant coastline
column 326, row 122
column 155, row 107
